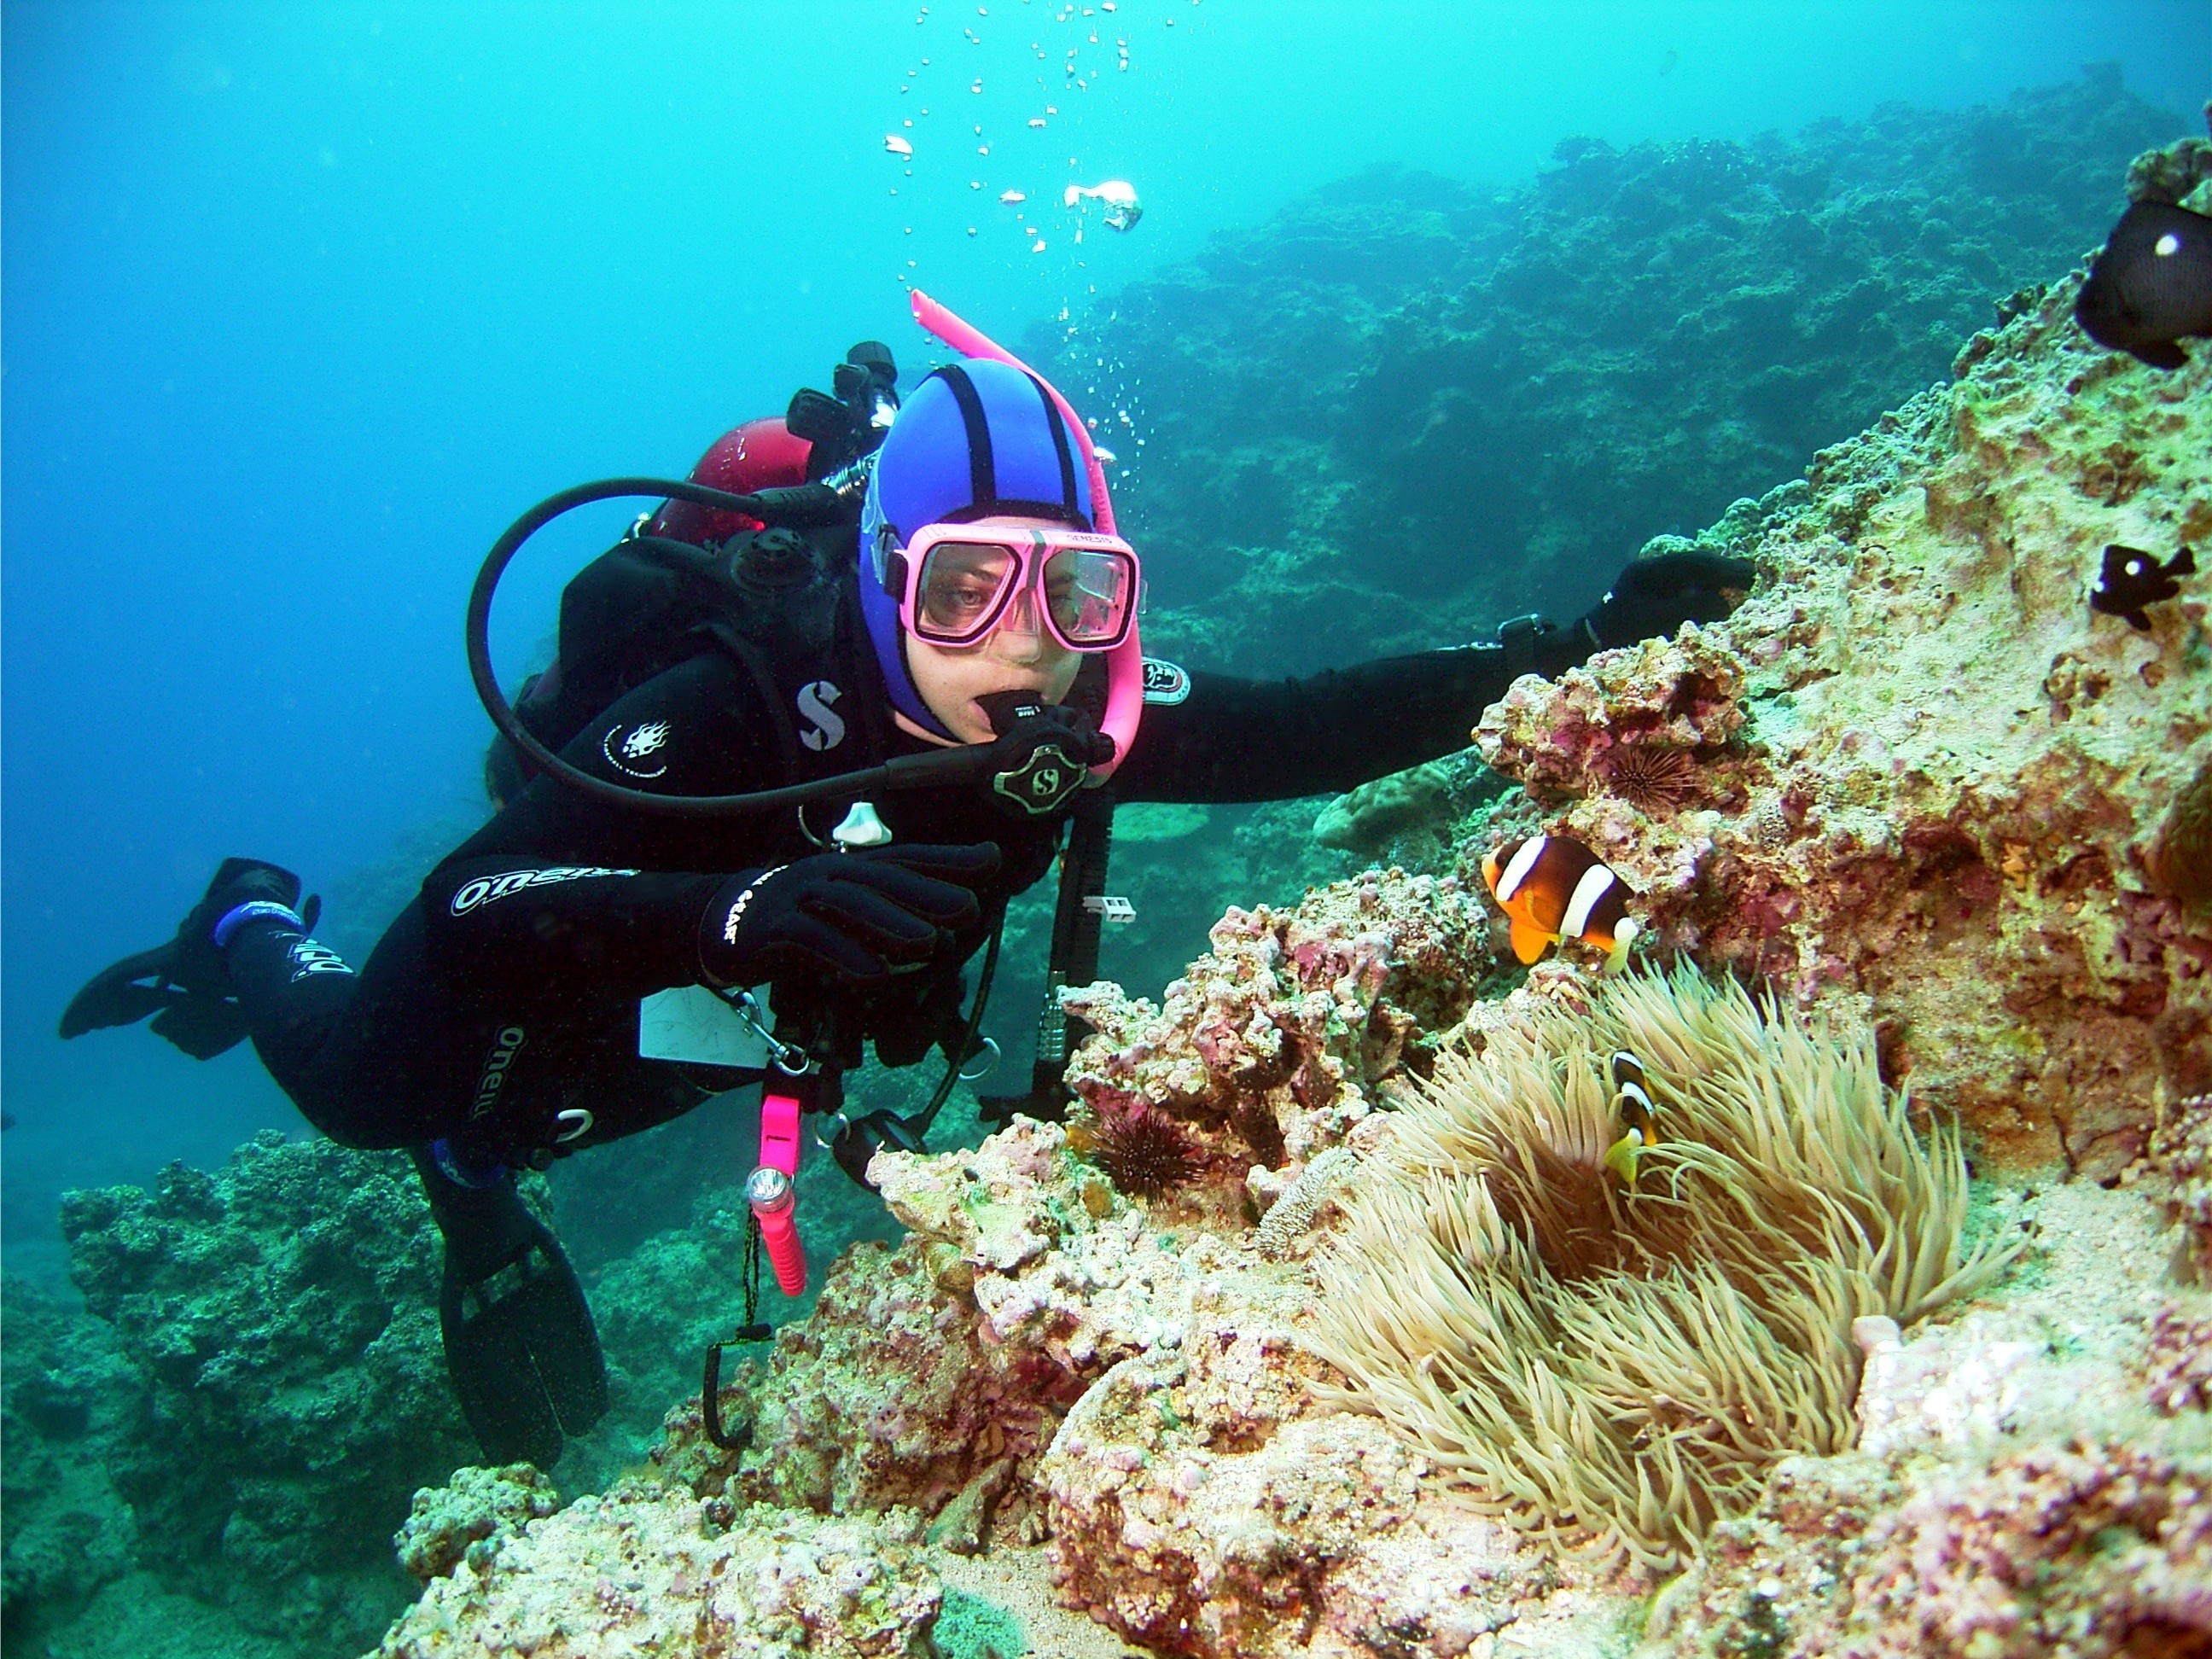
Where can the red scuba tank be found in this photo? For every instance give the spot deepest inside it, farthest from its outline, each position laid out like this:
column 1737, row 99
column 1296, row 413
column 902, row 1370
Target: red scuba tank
column 762, row 454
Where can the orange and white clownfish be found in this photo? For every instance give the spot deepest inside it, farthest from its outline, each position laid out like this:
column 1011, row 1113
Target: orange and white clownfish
column 1639, row 1118
column 1552, row 887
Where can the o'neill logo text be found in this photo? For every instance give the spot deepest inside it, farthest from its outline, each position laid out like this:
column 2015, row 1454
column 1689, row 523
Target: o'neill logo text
column 502, row 1056
column 484, row 890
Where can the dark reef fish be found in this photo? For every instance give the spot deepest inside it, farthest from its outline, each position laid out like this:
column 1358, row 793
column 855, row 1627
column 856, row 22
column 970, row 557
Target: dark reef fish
column 2150, row 284
column 2132, row 579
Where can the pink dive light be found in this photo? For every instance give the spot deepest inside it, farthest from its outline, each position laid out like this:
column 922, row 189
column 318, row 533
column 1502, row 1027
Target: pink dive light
column 1125, row 663
column 774, row 1197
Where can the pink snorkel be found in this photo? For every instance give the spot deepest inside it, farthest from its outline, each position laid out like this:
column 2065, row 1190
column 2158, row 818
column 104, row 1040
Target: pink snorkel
column 1125, row 663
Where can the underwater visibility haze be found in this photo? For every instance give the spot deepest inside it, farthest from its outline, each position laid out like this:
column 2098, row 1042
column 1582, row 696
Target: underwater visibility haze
column 1390, row 322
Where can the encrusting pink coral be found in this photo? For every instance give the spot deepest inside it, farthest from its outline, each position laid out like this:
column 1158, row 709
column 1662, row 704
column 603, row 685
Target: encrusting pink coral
column 1272, row 1043
column 2084, row 1550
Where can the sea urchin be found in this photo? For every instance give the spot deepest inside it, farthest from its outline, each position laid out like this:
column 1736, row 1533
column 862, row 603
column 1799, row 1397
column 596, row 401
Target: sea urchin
column 1144, row 1153
column 1651, row 775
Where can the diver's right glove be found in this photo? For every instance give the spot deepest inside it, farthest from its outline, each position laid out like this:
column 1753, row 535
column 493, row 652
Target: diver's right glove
column 854, row 917
column 1654, row 597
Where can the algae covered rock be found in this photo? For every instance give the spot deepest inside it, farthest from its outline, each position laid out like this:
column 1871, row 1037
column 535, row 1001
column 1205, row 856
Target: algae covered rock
column 646, row 1572
column 1271, row 1044
column 71, row 1394
column 279, row 1316
column 1931, row 777
column 471, row 1515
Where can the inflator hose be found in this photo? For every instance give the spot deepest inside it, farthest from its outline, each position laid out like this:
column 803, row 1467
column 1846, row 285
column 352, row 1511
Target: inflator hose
column 801, row 504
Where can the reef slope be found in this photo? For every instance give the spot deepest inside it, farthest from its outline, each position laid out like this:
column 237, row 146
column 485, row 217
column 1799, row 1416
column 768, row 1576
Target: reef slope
column 1925, row 790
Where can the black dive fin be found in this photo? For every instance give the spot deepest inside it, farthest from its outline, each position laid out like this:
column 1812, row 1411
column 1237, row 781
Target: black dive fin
column 184, row 984
column 200, row 1024
column 123, row 995
column 520, row 1347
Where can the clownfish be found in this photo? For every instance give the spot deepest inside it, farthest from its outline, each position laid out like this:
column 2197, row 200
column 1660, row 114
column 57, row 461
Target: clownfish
column 1552, row 887
column 1639, row 1118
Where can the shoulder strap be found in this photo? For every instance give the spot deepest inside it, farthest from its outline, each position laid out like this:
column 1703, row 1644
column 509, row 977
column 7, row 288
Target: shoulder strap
column 755, row 663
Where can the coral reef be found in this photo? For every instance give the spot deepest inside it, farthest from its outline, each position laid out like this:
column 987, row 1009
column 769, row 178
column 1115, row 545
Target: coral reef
column 291, row 1390
column 469, row 1518
column 2178, row 1365
column 641, row 1571
column 69, row 1398
column 1623, row 346
column 1932, row 781
column 1273, row 1043
column 2181, row 1151
column 2180, row 860
column 1364, row 820
column 2013, row 1492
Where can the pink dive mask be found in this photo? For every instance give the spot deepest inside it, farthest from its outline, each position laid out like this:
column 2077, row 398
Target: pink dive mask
column 965, row 579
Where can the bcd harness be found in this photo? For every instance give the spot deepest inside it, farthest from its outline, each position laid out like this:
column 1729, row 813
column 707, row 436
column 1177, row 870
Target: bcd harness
column 769, row 600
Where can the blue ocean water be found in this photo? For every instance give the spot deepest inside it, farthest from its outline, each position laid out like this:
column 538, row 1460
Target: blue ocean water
column 300, row 305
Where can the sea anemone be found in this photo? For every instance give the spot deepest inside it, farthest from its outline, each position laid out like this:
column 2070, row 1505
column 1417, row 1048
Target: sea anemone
column 1620, row 1366
column 1144, row 1153
column 1652, row 776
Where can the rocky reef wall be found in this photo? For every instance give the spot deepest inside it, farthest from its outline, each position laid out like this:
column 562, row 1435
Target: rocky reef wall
column 1485, row 400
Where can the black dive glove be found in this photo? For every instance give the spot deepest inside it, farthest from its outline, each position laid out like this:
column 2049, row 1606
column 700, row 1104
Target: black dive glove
column 855, row 917
column 1655, row 597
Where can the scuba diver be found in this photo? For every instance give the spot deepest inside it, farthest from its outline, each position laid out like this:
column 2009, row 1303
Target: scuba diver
column 857, row 682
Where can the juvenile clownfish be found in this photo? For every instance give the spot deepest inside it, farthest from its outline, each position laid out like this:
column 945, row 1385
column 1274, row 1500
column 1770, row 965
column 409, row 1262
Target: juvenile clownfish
column 1638, row 1117
column 1552, row 887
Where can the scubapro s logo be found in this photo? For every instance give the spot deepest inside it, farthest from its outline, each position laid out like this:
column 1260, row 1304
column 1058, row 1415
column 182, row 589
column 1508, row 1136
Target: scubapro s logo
column 635, row 753
column 828, row 730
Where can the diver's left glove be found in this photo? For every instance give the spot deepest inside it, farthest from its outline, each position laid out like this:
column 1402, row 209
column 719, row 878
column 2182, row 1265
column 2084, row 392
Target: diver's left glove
column 1654, row 597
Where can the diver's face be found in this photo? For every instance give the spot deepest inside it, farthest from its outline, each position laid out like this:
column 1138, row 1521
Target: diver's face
column 1020, row 655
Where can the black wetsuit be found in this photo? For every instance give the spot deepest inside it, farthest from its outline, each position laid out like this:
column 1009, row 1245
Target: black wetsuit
column 508, row 990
